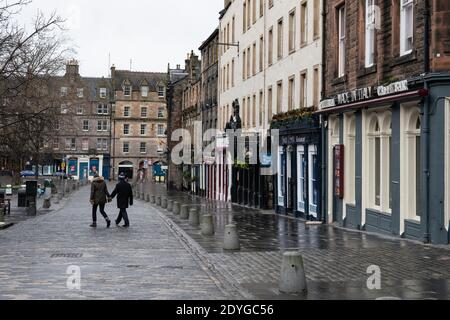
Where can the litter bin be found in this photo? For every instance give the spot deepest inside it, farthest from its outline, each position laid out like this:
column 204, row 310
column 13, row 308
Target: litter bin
column 31, row 188
column 22, row 197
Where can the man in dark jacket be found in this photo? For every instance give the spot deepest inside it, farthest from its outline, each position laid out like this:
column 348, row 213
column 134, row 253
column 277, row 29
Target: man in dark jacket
column 99, row 197
column 124, row 194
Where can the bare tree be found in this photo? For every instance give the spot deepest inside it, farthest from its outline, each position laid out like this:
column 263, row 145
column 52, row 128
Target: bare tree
column 30, row 62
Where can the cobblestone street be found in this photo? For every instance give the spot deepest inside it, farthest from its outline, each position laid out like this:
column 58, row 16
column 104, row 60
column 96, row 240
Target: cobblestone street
column 162, row 257
column 145, row 262
column 336, row 260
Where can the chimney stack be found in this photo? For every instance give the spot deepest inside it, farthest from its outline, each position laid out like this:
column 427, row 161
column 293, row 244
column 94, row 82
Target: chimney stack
column 72, row 68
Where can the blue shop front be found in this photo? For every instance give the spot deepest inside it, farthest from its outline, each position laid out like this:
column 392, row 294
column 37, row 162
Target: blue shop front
column 299, row 158
column 388, row 158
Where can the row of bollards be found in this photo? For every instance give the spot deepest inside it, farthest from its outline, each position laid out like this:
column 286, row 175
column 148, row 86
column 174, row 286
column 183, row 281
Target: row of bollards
column 292, row 276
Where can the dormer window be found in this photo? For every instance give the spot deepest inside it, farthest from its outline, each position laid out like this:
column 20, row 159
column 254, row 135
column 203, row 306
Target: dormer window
column 80, row 92
column 127, row 91
column 144, row 91
column 161, row 91
column 64, row 91
column 102, row 93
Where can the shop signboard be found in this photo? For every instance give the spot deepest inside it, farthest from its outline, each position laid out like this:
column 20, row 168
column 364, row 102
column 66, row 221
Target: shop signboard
column 365, row 93
column 339, row 171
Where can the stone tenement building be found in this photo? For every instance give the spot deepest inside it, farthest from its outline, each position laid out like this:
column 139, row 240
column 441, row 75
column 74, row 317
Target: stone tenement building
column 139, row 142
column 210, row 75
column 82, row 142
column 386, row 115
column 274, row 73
column 177, row 81
column 192, row 119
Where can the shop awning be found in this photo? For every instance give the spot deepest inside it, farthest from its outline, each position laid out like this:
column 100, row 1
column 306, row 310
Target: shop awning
column 375, row 102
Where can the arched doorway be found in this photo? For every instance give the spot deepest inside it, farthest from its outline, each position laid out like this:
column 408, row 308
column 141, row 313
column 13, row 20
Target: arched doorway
column 127, row 168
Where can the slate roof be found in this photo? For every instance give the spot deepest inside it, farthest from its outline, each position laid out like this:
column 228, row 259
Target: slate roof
column 152, row 79
column 94, row 84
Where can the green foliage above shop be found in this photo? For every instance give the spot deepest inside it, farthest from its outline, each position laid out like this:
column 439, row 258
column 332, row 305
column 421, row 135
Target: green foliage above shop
column 300, row 117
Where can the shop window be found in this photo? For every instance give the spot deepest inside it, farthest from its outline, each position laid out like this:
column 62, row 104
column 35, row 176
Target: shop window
column 281, row 176
column 350, row 157
column 379, row 161
column 334, row 139
column 411, row 163
column 447, row 162
column 379, row 142
column 301, row 169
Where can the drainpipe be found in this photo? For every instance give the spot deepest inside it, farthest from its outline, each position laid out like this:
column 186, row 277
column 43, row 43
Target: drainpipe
column 323, row 120
column 426, row 122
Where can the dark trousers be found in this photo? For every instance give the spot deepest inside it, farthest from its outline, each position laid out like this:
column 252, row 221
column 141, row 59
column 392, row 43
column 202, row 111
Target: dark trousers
column 123, row 214
column 102, row 211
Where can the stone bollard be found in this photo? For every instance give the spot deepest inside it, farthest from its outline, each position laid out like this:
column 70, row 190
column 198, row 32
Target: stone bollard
column 67, row 189
column 176, row 208
column 293, row 278
column 184, row 212
column 170, row 205
column 158, row 201
column 74, row 186
column 31, row 209
column 194, row 218
column 47, row 204
column 164, row 203
column 147, row 198
column 231, row 241
column 152, row 199
column 138, row 196
column 78, row 186
column 142, row 196
column 207, row 225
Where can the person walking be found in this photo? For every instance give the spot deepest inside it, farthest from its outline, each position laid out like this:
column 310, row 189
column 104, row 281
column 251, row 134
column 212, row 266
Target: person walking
column 124, row 194
column 99, row 197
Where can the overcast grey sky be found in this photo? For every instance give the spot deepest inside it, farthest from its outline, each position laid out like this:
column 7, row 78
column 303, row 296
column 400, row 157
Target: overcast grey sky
column 151, row 33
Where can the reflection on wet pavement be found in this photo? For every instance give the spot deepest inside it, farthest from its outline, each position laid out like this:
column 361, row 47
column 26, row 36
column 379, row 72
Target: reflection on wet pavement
column 336, row 260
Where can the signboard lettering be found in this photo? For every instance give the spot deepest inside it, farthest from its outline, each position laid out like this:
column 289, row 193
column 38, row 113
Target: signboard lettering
column 366, row 93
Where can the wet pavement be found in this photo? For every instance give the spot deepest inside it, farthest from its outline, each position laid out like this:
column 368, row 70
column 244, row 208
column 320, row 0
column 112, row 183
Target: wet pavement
column 336, row 260
column 163, row 257
column 146, row 261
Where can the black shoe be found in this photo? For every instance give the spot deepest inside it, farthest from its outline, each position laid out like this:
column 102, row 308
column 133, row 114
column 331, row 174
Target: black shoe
column 108, row 223
column 126, row 226
column 117, row 223
column 94, row 225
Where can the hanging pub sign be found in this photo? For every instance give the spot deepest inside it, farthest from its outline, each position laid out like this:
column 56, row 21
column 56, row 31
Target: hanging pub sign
column 365, row 93
column 339, row 171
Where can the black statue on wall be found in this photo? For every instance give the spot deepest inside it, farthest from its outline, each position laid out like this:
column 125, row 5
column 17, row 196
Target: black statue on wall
column 235, row 122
